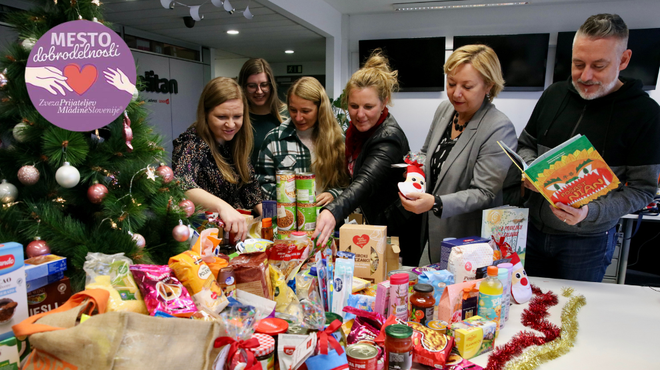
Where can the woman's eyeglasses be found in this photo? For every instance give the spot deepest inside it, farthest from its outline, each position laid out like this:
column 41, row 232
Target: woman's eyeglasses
column 265, row 87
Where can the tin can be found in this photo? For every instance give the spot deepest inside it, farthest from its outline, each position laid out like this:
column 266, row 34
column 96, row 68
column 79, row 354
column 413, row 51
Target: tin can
column 362, row 356
column 286, row 216
column 306, row 188
column 306, row 216
column 438, row 325
column 286, row 186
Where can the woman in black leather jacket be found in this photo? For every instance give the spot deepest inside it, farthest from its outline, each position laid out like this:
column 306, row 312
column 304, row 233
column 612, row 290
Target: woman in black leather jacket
column 374, row 141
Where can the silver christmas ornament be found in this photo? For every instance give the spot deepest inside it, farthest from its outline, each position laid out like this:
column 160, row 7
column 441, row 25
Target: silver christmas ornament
column 8, row 192
column 67, row 176
column 19, row 132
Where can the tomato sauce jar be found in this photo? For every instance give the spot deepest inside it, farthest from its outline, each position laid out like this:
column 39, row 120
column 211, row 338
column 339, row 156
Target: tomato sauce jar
column 398, row 347
column 422, row 303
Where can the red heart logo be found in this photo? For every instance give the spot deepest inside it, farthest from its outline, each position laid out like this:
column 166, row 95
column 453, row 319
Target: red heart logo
column 80, row 80
column 361, row 240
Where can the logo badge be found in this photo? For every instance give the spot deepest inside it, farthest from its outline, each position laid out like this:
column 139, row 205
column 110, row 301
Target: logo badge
column 80, row 75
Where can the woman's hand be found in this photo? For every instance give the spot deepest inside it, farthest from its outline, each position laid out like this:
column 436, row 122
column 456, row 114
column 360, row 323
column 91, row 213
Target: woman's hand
column 234, row 221
column 417, row 202
column 325, row 226
column 323, row 199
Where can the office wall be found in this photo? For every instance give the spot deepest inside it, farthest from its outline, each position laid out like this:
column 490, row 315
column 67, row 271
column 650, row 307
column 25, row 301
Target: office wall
column 414, row 111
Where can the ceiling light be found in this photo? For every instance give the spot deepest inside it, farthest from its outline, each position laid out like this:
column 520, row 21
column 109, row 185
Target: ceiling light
column 289, row 51
column 436, row 5
column 232, row 32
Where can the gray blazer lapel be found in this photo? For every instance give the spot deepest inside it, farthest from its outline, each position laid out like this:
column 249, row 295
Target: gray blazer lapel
column 462, row 143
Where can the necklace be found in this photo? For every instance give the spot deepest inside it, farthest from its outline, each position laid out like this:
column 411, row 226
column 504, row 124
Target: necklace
column 456, row 125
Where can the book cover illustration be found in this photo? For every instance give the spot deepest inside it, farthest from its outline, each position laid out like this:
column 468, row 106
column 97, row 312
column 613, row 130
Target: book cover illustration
column 573, row 173
column 509, row 223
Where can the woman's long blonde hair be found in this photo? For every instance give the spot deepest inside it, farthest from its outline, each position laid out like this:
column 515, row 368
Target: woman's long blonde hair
column 216, row 92
column 259, row 65
column 376, row 73
column 328, row 165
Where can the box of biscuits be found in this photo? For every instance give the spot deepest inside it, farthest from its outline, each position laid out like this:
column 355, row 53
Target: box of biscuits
column 369, row 244
column 13, row 293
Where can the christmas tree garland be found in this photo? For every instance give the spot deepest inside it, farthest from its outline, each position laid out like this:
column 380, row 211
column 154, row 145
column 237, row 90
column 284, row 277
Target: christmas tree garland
column 555, row 342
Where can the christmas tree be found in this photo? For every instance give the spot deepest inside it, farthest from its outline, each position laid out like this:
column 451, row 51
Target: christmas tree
column 122, row 190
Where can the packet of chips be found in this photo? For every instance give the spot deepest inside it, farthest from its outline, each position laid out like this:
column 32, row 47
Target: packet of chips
column 430, row 347
column 196, row 276
column 162, row 291
column 285, row 299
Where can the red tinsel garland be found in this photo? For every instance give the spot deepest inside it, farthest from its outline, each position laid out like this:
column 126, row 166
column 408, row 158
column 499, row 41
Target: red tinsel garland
column 533, row 317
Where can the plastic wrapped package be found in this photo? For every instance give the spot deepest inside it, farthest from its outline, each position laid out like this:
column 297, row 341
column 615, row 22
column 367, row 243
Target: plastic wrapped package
column 251, row 273
column 196, row 276
column 111, row 273
column 162, row 291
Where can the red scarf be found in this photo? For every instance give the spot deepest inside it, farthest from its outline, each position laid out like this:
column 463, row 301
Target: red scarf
column 355, row 139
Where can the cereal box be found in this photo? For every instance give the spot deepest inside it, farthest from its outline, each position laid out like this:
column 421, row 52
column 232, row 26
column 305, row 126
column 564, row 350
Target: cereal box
column 473, row 336
column 13, row 293
column 369, row 245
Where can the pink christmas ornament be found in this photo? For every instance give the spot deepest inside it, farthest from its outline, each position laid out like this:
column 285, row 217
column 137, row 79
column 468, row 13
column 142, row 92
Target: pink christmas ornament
column 139, row 240
column 165, row 172
column 181, row 233
column 37, row 247
column 28, row 175
column 96, row 193
column 188, row 206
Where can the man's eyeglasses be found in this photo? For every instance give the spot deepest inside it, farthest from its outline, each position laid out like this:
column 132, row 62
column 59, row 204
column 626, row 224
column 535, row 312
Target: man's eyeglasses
column 265, row 87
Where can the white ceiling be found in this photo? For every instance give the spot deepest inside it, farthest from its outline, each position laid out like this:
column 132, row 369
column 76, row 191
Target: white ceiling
column 267, row 35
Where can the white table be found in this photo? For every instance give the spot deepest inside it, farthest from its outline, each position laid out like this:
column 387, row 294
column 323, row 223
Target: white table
column 628, row 221
column 618, row 327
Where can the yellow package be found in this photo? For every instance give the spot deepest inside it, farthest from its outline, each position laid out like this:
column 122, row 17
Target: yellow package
column 359, row 284
column 198, row 279
column 115, row 301
column 285, row 299
column 111, row 272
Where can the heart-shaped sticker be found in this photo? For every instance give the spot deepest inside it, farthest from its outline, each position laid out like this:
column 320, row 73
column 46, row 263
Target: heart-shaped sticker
column 361, row 240
column 79, row 79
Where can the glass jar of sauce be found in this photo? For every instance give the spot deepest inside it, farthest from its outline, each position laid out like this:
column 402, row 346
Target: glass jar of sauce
column 398, row 347
column 422, row 303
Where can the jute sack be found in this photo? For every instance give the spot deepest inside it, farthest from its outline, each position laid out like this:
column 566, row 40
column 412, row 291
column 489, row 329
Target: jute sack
column 115, row 340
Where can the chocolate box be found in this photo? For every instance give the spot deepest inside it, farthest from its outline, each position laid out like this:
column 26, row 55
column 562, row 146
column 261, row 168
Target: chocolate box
column 13, row 293
column 49, row 297
column 473, row 336
column 40, row 266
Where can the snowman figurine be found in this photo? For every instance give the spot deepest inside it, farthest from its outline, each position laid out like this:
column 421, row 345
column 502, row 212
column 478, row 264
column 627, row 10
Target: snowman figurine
column 415, row 178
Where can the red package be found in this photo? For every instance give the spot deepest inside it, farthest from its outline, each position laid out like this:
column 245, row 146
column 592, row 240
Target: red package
column 430, row 347
column 162, row 291
column 288, row 255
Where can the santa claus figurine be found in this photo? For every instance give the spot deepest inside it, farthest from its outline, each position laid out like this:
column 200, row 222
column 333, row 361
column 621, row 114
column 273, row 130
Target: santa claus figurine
column 415, row 178
column 521, row 289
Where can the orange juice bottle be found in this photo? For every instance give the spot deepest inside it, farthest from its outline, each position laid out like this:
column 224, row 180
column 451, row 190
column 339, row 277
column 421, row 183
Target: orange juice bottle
column 490, row 297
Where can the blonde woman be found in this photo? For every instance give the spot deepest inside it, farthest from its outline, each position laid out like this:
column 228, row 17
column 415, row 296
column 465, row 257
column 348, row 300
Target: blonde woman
column 310, row 141
column 465, row 167
column 374, row 141
column 258, row 83
column 211, row 158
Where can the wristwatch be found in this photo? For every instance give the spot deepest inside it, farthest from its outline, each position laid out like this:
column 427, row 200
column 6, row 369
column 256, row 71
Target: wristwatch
column 437, row 206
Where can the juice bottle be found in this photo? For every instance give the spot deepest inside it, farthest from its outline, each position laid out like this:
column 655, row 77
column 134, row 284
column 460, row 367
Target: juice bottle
column 490, row 297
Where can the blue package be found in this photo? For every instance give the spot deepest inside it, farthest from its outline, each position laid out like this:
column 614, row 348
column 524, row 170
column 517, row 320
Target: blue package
column 361, row 302
column 439, row 280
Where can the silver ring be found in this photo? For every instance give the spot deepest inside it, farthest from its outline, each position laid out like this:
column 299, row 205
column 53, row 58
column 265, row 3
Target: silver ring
column 564, row 220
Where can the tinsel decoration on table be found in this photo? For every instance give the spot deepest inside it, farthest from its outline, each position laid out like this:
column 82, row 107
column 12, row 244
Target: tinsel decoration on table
column 513, row 356
column 535, row 356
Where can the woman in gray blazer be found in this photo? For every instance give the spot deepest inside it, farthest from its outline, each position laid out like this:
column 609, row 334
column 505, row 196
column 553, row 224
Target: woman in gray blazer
column 465, row 167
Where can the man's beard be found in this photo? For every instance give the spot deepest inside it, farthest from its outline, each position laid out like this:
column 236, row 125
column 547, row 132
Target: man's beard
column 602, row 89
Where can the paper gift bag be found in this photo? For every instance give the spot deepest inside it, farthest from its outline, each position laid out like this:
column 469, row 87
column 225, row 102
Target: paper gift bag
column 450, row 307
